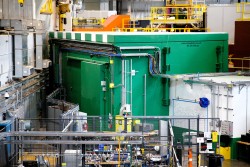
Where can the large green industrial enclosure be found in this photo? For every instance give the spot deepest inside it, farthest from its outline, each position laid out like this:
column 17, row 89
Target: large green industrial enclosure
column 109, row 73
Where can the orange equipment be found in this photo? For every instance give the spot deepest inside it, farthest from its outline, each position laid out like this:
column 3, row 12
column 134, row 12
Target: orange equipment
column 114, row 21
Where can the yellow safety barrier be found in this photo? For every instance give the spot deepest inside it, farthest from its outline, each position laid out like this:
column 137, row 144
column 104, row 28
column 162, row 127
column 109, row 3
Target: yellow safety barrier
column 178, row 14
column 244, row 9
column 161, row 29
column 245, row 63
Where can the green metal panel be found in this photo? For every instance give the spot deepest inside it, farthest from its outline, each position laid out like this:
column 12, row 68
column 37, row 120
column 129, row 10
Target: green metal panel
column 78, row 36
column 71, row 73
column 233, row 145
column 88, row 37
column 99, row 38
column 91, row 90
column 180, row 53
column 51, row 35
column 60, row 35
column 193, row 57
column 69, row 35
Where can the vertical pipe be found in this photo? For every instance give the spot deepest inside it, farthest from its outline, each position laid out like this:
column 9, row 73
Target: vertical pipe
column 198, row 148
column 125, row 80
column 123, row 98
column 93, row 123
column 189, row 139
column 131, row 85
column 145, row 95
column 60, row 67
column 246, row 106
column 227, row 102
column 213, row 106
column 111, row 90
column 207, row 120
column 119, row 149
column 83, row 153
column 218, row 102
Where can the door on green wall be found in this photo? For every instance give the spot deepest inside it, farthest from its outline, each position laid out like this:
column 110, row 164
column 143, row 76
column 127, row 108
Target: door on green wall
column 92, row 94
column 72, row 80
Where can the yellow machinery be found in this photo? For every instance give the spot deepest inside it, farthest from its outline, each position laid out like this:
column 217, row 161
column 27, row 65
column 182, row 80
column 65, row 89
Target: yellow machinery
column 93, row 24
column 120, row 123
column 62, row 10
column 46, row 8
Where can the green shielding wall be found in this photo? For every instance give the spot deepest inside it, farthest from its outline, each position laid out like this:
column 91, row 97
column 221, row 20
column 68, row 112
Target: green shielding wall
column 94, row 80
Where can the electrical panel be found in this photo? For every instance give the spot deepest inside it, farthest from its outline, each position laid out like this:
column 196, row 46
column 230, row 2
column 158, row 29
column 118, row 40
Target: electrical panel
column 227, row 128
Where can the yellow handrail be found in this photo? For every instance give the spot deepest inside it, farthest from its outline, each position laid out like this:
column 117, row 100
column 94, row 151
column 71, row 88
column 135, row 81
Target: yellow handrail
column 244, row 9
column 160, row 29
column 232, row 61
column 177, row 13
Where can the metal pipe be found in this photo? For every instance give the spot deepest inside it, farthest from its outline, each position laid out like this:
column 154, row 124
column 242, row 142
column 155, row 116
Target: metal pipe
column 123, row 98
column 125, row 81
column 134, row 54
column 66, row 128
column 145, row 95
column 131, row 85
column 73, row 142
column 246, row 108
column 213, row 105
column 137, row 47
column 62, row 134
column 186, row 100
column 190, row 77
column 227, row 102
column 198, row 130
column 60, row 67
column 218, row 102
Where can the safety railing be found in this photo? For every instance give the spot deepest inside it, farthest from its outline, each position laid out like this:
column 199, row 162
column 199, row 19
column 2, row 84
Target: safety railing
column 91, row 140
column 87, row 22
column 161, row 29
column 178, row 14
column 239, row 63
column 244, row 9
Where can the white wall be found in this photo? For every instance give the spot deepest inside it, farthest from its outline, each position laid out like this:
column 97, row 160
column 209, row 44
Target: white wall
column 221, row 18
column 238, row 101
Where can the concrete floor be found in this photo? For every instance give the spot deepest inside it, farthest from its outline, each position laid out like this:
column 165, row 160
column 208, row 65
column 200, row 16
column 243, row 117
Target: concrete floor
column 235, row 163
